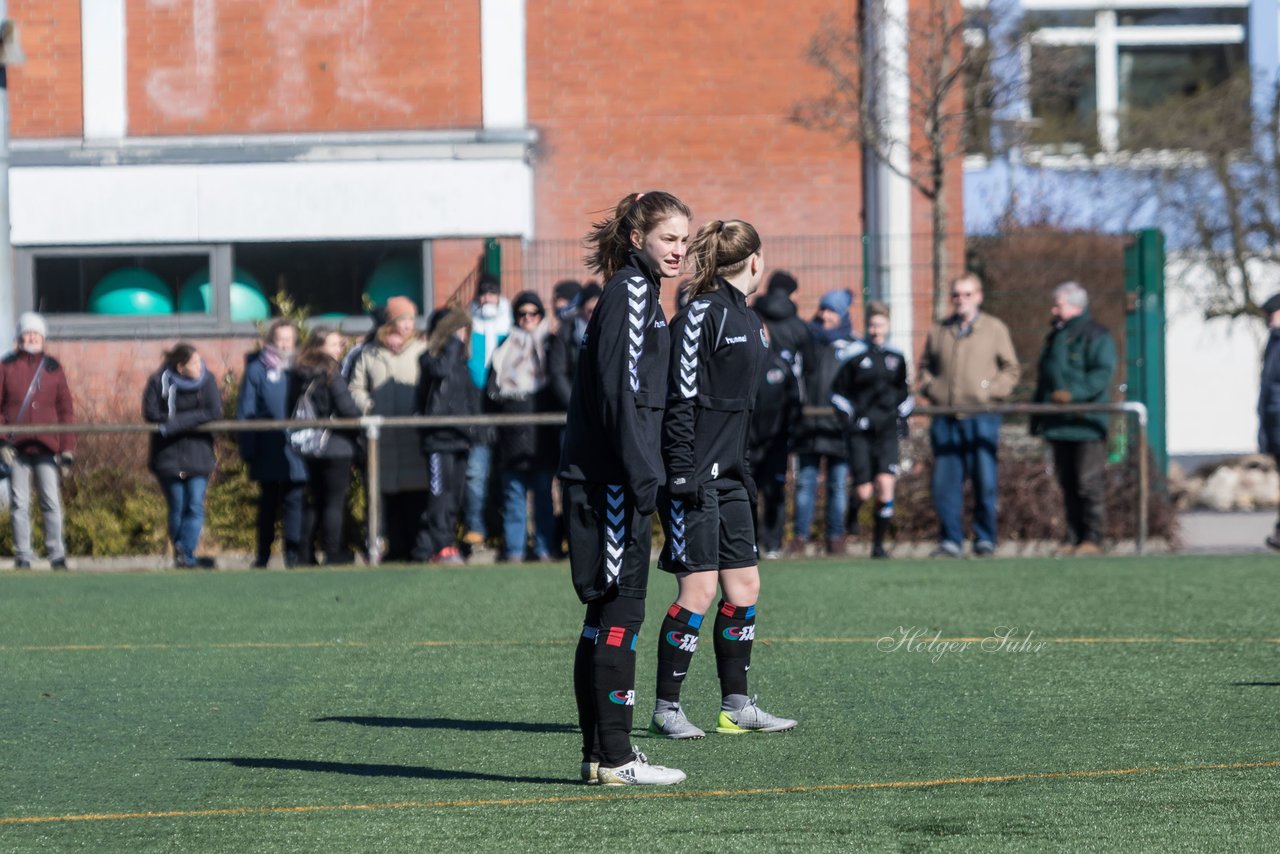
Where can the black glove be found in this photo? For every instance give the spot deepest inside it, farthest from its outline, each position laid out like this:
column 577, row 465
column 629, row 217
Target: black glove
column 65, row 459
column 685, row 488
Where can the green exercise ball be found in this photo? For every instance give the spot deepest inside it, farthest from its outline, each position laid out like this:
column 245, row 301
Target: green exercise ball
column 131, row 291
column 248, row 303
column 396, row 277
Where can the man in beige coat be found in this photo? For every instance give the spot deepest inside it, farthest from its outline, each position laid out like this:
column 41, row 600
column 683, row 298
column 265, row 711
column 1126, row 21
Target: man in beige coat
column 968, row 359
column 384, row 381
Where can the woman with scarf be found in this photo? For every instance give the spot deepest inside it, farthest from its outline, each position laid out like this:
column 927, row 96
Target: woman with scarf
column 179, row 397
column 280, row 473
column 384, row 381
column 527, row 454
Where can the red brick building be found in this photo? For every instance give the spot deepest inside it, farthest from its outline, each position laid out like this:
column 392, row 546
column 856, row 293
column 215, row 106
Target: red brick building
column 306, row 146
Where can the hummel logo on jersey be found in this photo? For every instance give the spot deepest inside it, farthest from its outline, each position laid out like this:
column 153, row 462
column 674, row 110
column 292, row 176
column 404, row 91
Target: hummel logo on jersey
column 744, row 633
column 623, row 698
column 736, row 339
column 658, row 323
column 683, row 641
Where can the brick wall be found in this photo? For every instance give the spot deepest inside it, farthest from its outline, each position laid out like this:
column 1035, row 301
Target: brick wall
column 247, row 66
column 45, row 92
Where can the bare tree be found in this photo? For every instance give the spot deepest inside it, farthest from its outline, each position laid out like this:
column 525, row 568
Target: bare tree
column 949, row 91
column 1216, row 182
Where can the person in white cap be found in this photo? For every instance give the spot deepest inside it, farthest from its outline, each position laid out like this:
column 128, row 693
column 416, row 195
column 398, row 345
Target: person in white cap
column 34, row 390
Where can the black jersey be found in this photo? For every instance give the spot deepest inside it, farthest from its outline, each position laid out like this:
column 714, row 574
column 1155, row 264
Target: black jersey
column 613, row 432
column 872, row 385
column 717, row 355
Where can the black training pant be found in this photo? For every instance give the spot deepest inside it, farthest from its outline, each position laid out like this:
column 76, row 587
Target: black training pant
column 1080, row 467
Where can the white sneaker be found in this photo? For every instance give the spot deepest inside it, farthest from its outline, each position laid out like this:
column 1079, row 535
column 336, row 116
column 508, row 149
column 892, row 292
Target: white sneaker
column 673, row 723
column 638, row 772
column 591, row 773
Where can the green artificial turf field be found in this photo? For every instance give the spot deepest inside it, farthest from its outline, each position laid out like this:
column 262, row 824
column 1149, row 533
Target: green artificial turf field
column 1132, row 707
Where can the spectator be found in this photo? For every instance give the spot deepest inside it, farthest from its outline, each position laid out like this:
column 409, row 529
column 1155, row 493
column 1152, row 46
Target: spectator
column 870, row 391
column 318, row 375
column 491, row 322
column 968, row 360
column 820, row 442
column 445, row 389
column 280, row 473
column 774, row 420
column 179, row 397
column 562, row 348
column 788, row 334
column 564, row 300
column 1269, row 396
column 1076, row 366
column 33, row 390
column 378, row 314
column 384, row 381
column 527, row 453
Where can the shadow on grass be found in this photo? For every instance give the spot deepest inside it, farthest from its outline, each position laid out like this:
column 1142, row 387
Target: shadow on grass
column 362, row 769
column 449, row 723
column 1256, row 684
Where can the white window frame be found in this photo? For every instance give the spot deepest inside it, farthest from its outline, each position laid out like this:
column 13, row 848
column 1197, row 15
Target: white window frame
column 1107, row 37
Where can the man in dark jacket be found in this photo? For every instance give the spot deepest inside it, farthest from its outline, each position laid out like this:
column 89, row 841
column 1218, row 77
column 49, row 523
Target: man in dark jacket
column 1269, row 396
column 820, row 441
column 33, row 390
column 1077, row 366
column 789, row 336
column 773, row 423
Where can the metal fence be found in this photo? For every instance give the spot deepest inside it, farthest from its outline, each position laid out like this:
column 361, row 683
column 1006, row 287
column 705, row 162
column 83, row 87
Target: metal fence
column 373, row 425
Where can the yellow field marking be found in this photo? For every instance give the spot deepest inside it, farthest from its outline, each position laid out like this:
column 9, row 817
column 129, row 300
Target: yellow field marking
column 648, row 795
column 1080, row 641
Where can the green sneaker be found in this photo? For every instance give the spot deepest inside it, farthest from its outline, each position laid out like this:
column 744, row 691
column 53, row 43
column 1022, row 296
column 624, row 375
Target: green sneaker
column 751, row 718
column 674, row 724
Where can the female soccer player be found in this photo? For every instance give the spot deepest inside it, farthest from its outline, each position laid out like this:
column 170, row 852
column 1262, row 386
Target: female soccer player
column 718, row 353
column 611, row 471
column 871, row 392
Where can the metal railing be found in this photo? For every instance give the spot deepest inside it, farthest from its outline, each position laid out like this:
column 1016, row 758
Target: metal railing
column 373, row 425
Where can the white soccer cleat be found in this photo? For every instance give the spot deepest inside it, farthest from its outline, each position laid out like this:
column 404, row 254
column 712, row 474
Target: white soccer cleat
column 638, row 772
column 673, row 723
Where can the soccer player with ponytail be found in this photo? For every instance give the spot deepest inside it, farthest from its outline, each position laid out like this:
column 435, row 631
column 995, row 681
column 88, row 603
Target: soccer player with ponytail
column 718, row 351
column 611, row 472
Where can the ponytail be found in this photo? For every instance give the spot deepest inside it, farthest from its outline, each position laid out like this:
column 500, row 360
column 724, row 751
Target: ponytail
column 720, row 248
column 609, row 242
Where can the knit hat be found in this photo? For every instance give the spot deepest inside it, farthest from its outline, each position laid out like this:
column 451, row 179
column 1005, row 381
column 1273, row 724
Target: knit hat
column 837, row 301
column 398, row 307
column 29, row 321
column 782, row 281
column 526, row 298
column 1271, row 305
column 488, row 284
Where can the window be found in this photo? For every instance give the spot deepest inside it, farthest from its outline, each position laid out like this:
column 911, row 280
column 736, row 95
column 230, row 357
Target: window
column 1100, row 77
column 161, row 291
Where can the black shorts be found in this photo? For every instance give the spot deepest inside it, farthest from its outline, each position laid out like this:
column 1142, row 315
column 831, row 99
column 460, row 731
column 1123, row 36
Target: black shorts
column 609, row 542
column 873, row 452
column 719, row 534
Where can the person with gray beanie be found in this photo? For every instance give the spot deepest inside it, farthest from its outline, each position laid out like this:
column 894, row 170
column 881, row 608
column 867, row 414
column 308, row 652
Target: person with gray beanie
column 34, row 390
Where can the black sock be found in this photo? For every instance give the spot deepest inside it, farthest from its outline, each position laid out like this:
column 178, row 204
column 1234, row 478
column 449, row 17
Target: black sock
column 613, row 670
column 676, row 645
column 584, row 692
column 852, row 524
column 884, row 518
column 735, row 630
